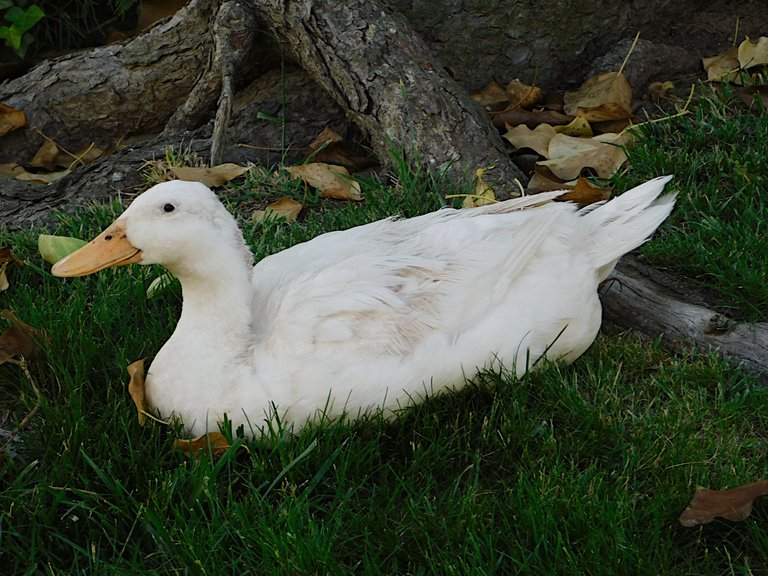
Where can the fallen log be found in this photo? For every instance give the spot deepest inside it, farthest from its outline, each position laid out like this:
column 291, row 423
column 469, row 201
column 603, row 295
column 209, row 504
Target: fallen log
column 643, row 299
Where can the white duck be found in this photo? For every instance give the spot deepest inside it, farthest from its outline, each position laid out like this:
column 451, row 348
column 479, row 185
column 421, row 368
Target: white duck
column 372, row 317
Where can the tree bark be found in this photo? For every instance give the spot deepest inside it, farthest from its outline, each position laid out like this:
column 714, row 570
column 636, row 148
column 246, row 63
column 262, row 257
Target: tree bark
column 370, row 60
column 643, row 299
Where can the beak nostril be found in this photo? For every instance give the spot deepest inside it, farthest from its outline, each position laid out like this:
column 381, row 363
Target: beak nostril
column 108, row 237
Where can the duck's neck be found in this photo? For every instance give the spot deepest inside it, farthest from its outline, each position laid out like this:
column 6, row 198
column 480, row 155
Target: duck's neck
column 217, row 301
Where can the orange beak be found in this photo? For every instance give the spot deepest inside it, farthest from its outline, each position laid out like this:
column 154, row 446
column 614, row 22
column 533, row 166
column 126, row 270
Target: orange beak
column 108, row 249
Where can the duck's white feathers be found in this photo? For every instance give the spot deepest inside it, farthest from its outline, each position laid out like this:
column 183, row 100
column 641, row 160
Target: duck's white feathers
column 379, row 315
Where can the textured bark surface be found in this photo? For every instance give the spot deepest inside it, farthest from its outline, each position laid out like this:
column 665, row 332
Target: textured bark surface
column 250, row 138
column 370, row 60
column 643, row 299
column 553, row 43
column 110, row 92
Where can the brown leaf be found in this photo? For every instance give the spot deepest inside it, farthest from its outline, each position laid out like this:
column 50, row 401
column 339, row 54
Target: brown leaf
column 544, row 181
column 330, row 148
column 11, row 170
column 752, row 54
column 331, row 181
column 601, row 89
column 522, row 95
column 603, row 112
column 84, row 155
column 6, row 258
column 216, row 442
column 492, row 97
column 584, row 194
column 46, row 156
column 136, row 388
column 517, row 116
column 749, row 94
column 537, row 139
column 42, row 178
column 724, row 66
column 327, row 137
column 285, row 207
column 10, row 119
column 212, row 177
column 20, row 339
column 568, row 156
column 734, row 505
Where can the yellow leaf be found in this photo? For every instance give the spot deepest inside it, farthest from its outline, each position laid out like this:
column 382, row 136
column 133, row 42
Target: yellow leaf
column 601, row 89
column 216, row 442
column 579, row 128
column 54, row 248
column 723, row 67
column 331, row 181
column 537, row 139
column 753, row 54
column 285, row 208
column 136, row 388
column 212, row 177
column 568, row 156
column 482, row 194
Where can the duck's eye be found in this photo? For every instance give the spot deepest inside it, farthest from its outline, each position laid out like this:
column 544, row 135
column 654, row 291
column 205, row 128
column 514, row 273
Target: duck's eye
column 169, row 208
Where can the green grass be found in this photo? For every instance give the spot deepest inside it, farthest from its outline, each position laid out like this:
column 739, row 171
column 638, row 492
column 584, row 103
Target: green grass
column 573, row 470
column 716, row 236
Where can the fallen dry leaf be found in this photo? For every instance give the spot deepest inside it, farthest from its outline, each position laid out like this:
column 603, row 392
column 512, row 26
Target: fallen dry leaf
column 517, row 116
column 544, row 181
column 11, row 170
column 212, row 177
column 584, row 194
column 578, row 127
column 750, row 94
column 332, row 181
column 604, row 112
column 492, row 97
column 285, row 208
column 522, row 95
column 136, row 388
column 215, row 442
column 659, row 91
column 608, row 87
column 330, row 148
column 11, row 119
column 46, row 156
column 734, row 505
column 20, row 339
column 18, row 172
column 723, row 67
column 6, row 259
column 568, row 156
column 482, row 194
column 537, row 139
column 751, row 54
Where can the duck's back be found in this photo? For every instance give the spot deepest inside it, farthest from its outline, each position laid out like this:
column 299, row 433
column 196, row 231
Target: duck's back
column 381, row 313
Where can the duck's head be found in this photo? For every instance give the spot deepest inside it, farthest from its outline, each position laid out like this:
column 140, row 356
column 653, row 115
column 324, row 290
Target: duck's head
column 180, row 225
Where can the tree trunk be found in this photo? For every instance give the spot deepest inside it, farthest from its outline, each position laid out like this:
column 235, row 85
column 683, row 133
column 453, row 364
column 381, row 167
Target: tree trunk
column 641, row 298
column 370, row 60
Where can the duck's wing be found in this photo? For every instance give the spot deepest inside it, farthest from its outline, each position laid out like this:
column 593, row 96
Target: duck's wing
column 383, row 288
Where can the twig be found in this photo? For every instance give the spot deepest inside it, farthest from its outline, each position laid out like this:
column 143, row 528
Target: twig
column 629, row 53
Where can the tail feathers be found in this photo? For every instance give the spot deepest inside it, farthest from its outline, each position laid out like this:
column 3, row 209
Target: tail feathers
column 625, row 222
